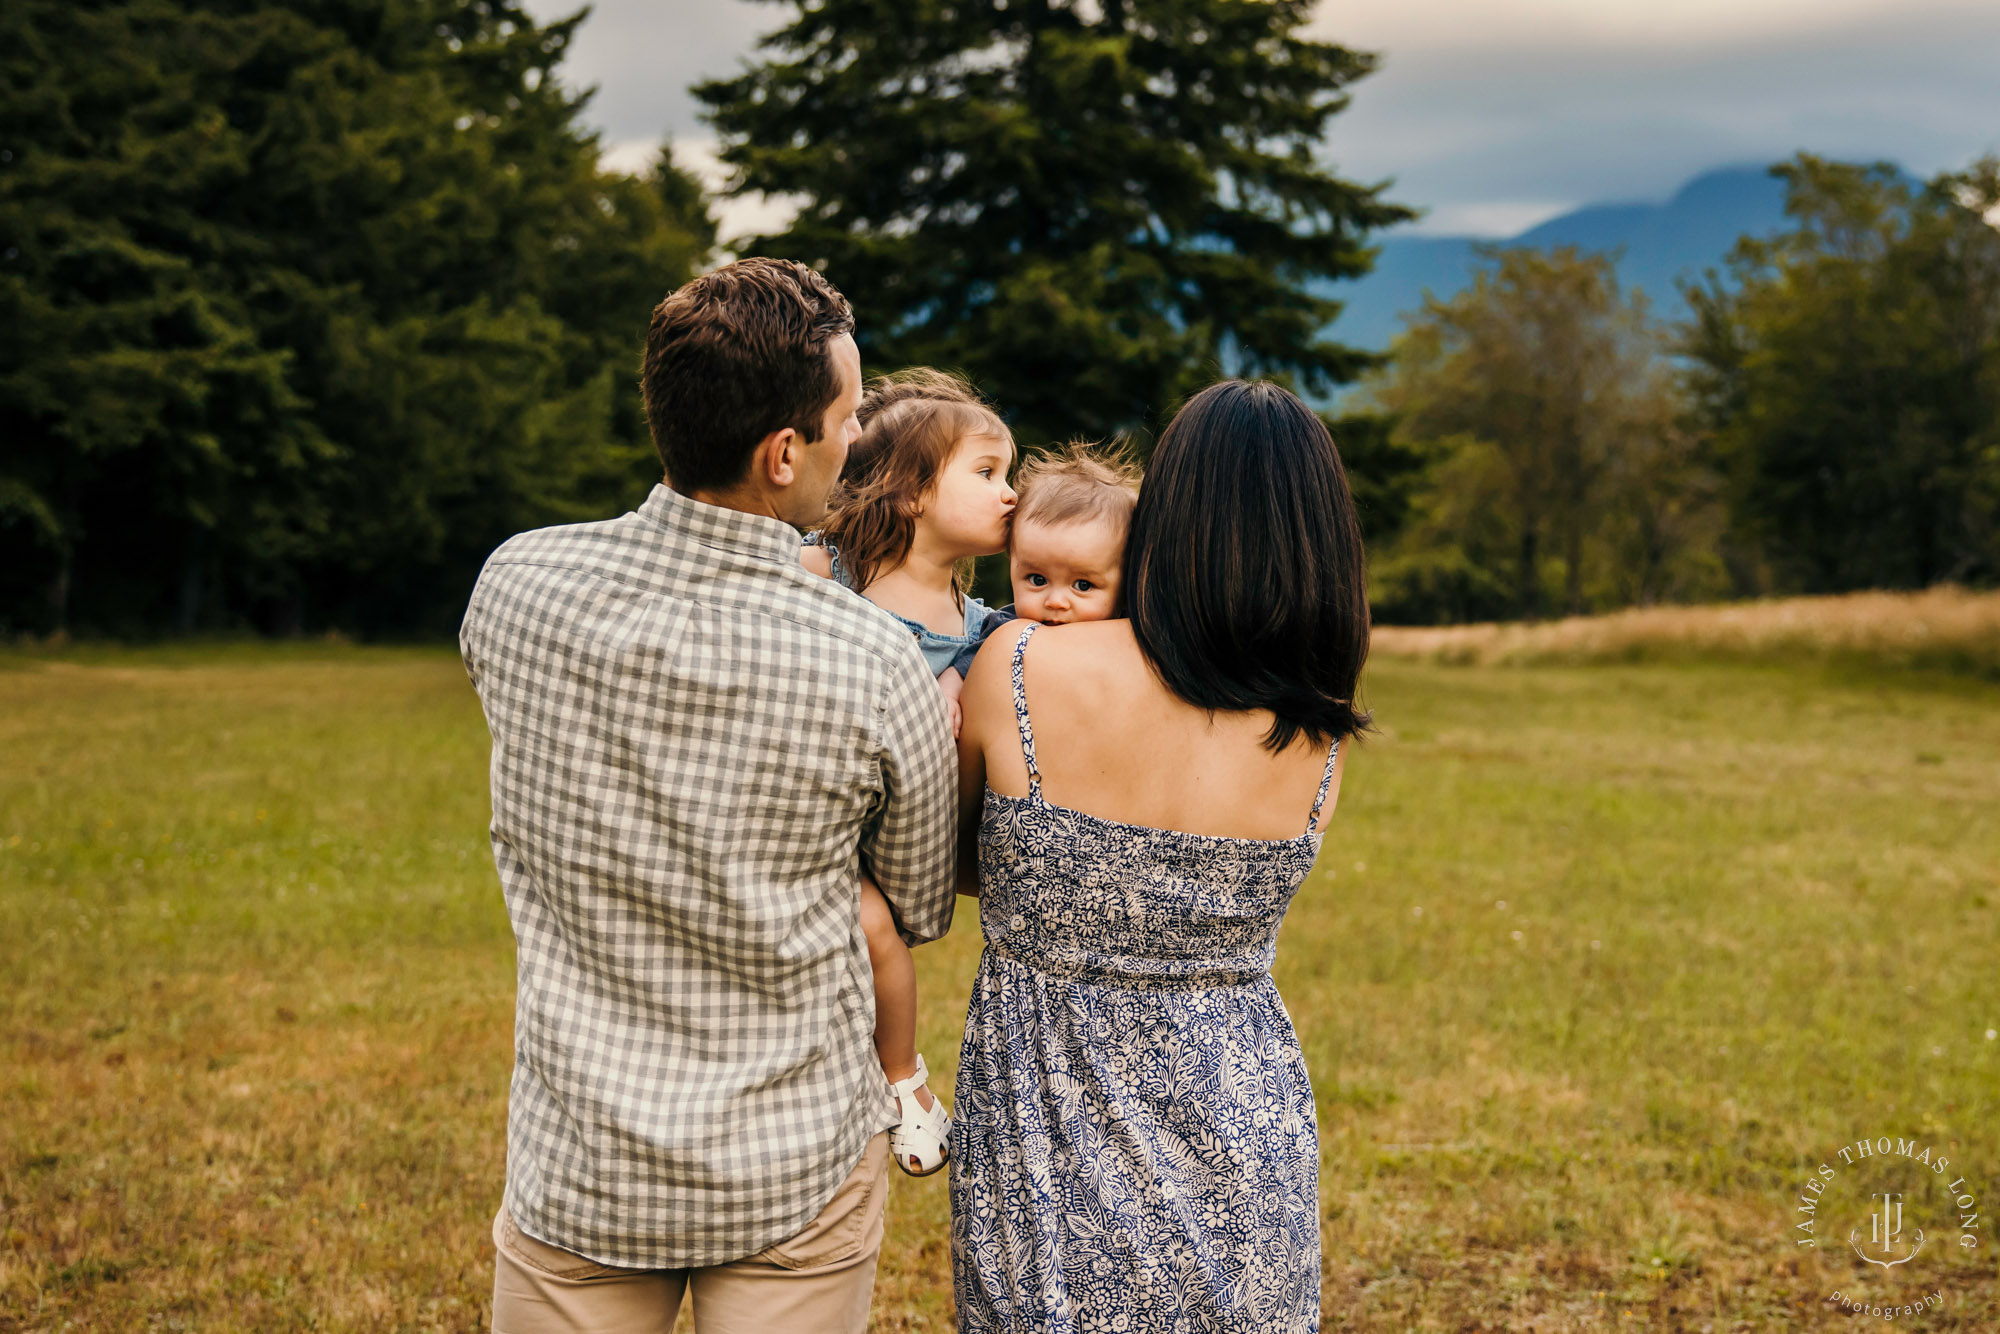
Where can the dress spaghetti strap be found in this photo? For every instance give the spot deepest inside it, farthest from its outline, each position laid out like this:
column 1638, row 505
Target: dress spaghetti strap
column 1325, row 779
column 1027, row 728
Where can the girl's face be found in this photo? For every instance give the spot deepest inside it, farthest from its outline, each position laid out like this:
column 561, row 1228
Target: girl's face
column 968, row 508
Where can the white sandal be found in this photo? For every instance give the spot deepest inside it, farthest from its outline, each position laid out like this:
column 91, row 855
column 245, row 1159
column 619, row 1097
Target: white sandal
column 921, row 1142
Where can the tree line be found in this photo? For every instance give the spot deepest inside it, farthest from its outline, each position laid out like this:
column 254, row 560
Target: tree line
column 307, row 305
column 1827, row 419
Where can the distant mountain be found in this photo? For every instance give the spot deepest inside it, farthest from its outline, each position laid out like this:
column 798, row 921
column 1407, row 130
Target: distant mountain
column 1660, row 243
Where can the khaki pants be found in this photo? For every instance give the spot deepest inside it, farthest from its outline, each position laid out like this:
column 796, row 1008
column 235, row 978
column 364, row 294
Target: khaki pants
column 821, row 1279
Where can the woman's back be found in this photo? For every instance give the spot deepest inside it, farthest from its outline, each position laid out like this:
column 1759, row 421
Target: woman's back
column 1113, row 741
column 1113, row 888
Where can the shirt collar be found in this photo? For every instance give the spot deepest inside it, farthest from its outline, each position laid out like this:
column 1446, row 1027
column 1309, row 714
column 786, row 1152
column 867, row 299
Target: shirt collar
column 713, row 526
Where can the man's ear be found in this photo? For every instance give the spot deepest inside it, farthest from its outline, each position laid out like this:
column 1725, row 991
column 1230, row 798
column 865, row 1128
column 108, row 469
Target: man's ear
column 776, row 458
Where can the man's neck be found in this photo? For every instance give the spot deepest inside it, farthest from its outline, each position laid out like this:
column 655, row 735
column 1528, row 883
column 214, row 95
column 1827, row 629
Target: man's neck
column 744, row 499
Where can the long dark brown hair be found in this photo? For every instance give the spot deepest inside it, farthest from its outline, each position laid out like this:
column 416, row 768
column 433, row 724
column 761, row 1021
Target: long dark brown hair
column 911, row 422
column 1243, row 573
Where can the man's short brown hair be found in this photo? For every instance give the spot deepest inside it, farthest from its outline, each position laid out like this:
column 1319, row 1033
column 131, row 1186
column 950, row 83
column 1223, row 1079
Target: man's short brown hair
column 733, row 356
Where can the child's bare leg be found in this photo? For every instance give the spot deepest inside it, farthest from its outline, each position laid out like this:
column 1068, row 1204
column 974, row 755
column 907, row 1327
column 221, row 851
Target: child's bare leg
column 895, row 989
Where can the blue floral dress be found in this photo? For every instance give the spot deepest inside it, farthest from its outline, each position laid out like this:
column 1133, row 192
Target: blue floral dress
column 1133, row 1145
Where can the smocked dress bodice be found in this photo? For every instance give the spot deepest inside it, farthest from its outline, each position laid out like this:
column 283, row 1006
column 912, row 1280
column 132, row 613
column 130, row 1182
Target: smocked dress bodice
column 1081, row 897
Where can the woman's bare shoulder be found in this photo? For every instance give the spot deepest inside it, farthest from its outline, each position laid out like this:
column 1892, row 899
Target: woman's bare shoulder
column 992, row 666
column 988, row 695
column 1063, row 659
column 817, row 559
column 1090, row 651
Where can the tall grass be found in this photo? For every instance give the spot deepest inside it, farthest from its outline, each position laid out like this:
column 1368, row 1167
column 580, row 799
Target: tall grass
column 1945, row 628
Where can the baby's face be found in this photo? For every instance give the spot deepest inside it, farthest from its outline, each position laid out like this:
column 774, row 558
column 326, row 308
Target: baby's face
column 1066, row 572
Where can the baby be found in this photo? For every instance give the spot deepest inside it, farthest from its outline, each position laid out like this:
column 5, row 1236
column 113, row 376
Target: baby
column 1070, row 520
column 1072, row 510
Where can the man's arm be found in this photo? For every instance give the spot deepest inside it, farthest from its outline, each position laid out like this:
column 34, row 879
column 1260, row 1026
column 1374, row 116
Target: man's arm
column 910, row 845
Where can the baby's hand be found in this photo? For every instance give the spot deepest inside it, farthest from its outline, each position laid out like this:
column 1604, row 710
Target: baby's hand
column 952, row 685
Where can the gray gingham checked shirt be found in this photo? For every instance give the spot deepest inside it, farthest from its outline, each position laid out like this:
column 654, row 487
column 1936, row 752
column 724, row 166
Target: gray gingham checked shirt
column 695, row 744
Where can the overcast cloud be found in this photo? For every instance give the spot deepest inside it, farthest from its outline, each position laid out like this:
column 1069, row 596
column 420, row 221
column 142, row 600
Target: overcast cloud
column 1490, row 114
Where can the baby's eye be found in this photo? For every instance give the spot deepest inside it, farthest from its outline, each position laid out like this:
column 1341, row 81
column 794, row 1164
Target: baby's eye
column 1082, row 585
column 1037, row 581
column 985, row 472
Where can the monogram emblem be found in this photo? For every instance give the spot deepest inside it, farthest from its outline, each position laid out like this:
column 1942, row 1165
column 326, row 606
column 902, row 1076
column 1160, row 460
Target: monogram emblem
column 1885, row 1231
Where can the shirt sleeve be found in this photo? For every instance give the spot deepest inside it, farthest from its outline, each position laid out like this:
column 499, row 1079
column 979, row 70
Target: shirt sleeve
column 468, row 633
column 909, row 847
column 962, row 663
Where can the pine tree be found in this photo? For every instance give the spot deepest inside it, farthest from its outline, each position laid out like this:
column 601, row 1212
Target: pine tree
column 1093, row 207
column 304, row 306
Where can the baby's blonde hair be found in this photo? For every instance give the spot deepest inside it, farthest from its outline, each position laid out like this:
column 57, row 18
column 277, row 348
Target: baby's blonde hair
column 1078, row 482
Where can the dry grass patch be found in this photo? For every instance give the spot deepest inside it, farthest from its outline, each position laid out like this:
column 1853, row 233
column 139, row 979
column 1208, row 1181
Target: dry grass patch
column 1947, row 628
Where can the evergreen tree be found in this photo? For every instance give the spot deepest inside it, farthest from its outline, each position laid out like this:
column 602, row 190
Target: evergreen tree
column 1094, row 206
column 1849, row 372
column 1385, row 471
column 306, row 305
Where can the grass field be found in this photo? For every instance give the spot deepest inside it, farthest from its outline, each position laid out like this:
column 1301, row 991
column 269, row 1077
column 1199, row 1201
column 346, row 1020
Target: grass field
column 1598, row 964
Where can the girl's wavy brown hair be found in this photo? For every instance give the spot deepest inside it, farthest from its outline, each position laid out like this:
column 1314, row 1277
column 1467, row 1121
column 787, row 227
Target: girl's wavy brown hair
column 911, row 422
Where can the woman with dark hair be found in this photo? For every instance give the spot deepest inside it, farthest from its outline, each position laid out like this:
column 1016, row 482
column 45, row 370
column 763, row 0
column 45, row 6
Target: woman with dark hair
column 1134, row 1132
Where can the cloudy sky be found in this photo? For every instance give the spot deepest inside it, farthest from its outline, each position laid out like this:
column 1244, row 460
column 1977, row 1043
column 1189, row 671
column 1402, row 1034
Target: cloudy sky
column 1490, row 114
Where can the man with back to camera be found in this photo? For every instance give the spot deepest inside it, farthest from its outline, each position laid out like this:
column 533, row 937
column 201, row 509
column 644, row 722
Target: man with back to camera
column 696, row 744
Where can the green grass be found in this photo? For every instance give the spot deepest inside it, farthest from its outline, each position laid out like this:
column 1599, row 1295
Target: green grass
column 254, row 1034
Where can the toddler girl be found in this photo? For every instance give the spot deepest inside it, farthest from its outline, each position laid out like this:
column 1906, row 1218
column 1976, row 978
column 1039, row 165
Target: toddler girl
column 924, row 491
